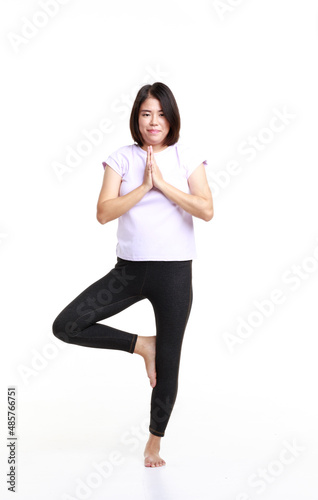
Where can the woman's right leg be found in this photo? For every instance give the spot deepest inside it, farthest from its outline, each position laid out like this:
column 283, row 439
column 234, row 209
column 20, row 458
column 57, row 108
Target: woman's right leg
column 78, row 323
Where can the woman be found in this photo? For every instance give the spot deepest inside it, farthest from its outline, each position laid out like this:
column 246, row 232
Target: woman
column 153, row 187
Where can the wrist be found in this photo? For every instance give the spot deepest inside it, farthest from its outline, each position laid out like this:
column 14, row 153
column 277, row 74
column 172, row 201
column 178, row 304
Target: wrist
column 162, row 185
column 144, row 188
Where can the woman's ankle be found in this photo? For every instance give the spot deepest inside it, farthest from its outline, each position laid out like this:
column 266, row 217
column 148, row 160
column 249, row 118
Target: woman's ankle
column 139, row 346
column 154, row 440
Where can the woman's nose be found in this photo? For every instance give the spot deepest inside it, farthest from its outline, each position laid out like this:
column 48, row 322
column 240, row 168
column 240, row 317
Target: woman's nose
column 153, row 120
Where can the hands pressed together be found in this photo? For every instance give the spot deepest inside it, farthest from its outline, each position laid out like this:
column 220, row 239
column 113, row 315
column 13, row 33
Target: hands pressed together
column 153, row 176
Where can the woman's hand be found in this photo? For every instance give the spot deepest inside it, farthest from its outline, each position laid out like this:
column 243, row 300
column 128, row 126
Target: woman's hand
column 148, row 181
column 156, row 174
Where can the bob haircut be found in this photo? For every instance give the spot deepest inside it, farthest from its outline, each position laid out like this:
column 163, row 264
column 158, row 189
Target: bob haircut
column 169, row 107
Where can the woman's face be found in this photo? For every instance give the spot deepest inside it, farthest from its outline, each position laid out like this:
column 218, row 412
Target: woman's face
column 153, row 125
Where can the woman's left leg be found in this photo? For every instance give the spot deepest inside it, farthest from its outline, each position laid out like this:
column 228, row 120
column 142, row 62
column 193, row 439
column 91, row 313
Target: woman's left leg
column 168, row 286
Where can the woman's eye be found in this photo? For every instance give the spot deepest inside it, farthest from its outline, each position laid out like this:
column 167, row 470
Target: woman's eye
column 147, row 114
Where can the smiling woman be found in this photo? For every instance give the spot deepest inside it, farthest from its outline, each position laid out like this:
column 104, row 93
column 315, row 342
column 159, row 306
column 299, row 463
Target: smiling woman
column 154, row 187
column 155, row 118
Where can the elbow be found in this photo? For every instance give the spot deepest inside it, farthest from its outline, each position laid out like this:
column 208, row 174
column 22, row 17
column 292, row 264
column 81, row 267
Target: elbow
column 208, row 213
column 207, row 216
column 102, row 219
column 206, row 210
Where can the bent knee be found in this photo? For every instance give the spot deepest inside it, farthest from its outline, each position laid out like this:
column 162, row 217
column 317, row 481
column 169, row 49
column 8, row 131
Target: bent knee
column 64, row 330
column 58, row 330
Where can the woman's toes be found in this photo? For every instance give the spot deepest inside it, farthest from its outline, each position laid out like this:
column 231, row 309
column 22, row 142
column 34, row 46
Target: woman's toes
column 154, row 461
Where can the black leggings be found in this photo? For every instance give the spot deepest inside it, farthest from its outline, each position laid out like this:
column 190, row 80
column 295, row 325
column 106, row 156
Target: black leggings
column 168, row 286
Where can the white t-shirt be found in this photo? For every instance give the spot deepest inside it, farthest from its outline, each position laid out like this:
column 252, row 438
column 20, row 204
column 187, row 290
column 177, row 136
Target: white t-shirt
column 155, row 228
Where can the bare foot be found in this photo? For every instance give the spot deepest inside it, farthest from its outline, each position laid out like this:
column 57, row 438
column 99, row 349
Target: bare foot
column 151, row 453
column 146, row 347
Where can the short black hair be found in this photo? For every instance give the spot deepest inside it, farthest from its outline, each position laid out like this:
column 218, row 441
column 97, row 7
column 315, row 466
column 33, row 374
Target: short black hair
column 169, row 107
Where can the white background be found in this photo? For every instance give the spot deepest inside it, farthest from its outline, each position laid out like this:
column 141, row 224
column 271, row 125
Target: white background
column 232, row 71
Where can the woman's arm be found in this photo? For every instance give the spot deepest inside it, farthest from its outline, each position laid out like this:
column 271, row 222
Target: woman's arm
column 199, row 203
column 110, row 205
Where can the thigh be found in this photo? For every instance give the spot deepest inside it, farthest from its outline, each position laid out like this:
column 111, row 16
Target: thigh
column 169, row 288
column 112, row 293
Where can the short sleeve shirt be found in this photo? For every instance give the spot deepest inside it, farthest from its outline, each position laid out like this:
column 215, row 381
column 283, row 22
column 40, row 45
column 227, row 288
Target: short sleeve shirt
column 155, row 228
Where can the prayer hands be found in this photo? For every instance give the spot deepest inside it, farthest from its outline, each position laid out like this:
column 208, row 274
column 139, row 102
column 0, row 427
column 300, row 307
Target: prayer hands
column 152, row 167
